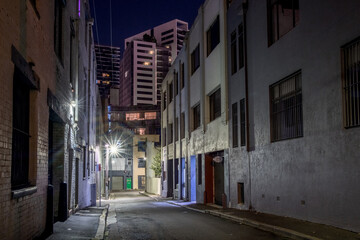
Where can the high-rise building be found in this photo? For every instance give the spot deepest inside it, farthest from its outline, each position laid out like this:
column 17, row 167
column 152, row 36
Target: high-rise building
column 108, row 68
column 147, row 58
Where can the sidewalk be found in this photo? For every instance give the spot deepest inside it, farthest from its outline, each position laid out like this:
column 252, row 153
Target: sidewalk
column 283, row 226
column 88, row 223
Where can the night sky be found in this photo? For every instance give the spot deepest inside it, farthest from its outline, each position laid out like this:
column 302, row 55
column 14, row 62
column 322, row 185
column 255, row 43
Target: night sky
column 130, row 17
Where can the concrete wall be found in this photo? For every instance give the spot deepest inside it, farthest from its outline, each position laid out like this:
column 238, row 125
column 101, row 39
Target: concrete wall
column 311, row 177
column 211, row 75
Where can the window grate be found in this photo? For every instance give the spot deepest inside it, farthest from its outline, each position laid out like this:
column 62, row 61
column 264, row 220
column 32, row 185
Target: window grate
column 286, row 108
column 351, row 84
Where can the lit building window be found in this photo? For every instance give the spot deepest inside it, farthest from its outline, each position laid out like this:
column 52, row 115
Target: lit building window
column 146, row 63
column 132, row 116
column 126, row 74
column 150, row 115
column 151, row 52
column 105, row 75
column 141, row 131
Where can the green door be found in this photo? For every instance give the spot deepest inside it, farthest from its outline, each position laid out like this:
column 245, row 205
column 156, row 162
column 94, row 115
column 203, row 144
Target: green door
column 128, row 183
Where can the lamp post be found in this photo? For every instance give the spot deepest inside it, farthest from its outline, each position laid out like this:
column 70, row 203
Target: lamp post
column 106, row 180
column 110, row 150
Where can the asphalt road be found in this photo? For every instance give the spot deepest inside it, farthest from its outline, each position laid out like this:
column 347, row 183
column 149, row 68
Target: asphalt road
column 133, row 216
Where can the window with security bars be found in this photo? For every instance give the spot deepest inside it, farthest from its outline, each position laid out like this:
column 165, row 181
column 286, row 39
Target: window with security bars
column 351, row 83
column 286, row 108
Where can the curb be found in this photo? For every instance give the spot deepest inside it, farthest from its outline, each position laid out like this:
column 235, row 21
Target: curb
column 265, row 227
column 189, row 208
column 150, row 196
column 102, row 224
column 284, row 232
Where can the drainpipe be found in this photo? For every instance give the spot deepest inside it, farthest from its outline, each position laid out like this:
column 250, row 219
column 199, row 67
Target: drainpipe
column 245, row 8
column 175, row 168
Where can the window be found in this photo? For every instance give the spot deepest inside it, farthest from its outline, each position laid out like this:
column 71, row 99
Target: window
column 164, row 99
column 141, row 181
column 182, row 82
column 235, row 129
column 242, row 122
column 195, row 59
column 283, row 15
column 141, row 163
column 286, row 108
column 171, row 96
column 141, row 146
column 241, row 46
column 213, row 36
column 21, row 133
column 182, row 125
column 58, row 28
column 215, row 105
column 351, row 84
column 233, row 53
column 199, row 169
column 164, row 142
column 176, row 129
column 176, row 84
column 170, row 136
column 150, row 115
column 241, row 195
column 196, row 116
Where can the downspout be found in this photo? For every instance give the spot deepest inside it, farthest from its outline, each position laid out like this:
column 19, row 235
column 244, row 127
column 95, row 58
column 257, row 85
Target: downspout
column 179, row 132
column 227, row 93
column 175, row 168
column 245, row 8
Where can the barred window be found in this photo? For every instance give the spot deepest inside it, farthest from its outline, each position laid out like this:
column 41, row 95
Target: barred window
column 286, row 108
column 351, row 83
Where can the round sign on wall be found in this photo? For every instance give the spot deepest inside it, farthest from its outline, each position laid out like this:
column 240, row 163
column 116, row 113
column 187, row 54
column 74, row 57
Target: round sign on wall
column 218, row 159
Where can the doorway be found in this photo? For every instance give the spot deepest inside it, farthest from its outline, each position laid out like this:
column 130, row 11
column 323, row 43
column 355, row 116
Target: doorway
column 209, row 180
column 193, row 178
column 183, row 178
column 170, row 178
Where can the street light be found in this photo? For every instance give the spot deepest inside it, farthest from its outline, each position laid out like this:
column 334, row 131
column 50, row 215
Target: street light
column 112, row 149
